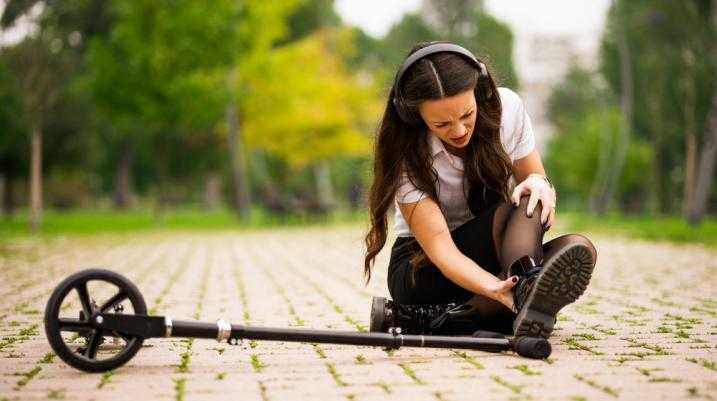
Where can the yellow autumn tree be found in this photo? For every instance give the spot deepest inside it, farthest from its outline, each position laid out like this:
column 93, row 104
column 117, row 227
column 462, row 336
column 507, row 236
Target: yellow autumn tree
column 302, row 103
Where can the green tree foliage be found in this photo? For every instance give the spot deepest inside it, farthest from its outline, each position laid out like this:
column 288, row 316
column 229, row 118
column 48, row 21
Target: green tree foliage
column 309, row 16
column 162, row 76
column 587, row 122
column 13, row 128
column 674, row 63
column 313, row 111
column 490, row 40
column 13, row 137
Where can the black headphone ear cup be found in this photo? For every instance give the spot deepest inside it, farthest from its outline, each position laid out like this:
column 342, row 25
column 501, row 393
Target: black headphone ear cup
column 406, row 114
column 483, row 89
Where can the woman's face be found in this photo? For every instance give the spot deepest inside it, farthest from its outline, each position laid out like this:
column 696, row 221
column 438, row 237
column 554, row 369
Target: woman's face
column 452, row 119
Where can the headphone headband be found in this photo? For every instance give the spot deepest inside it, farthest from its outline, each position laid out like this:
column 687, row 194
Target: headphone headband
column 438, row 48
column 404, row 111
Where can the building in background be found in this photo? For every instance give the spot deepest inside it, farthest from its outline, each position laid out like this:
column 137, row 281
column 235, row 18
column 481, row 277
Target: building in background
column 542, row 59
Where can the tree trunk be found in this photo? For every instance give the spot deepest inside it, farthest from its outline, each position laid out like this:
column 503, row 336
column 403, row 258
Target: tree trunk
column 271, row 195
column 706, row 170
column 122, row 178
column 213, row 191
column 690, row 165
column 688, row 106
column 8, row 201
column 603, row 169
column 162, row 160
column 3, row 194
column 626, row 104
column 36, row 178
column 242, row 197
column 324, row 189
column 3, row 186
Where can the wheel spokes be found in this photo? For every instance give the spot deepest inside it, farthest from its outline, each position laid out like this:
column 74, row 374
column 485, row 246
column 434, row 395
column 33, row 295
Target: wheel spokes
column 84, row 299
column 125, row 337
column 93, row 344
column 70, row 324
column 117, row 298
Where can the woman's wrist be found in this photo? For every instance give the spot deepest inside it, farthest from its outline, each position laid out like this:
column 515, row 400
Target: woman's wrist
column 468, row 274
column 543, row 176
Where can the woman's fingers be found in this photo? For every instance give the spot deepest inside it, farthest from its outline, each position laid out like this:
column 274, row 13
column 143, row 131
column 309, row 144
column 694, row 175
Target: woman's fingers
column 534, row 198
column 545, row 213
column 509, row 283
column 504, row 291
column 517, row 193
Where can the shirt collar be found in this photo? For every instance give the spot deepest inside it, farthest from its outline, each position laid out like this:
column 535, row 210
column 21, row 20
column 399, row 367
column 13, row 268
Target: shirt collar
column 435, row 144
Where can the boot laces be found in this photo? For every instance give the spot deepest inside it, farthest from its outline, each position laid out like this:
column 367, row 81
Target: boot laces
column 417, row 317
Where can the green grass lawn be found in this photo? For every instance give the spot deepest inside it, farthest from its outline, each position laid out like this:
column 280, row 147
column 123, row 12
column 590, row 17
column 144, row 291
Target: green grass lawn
column 91, row 222
column 644, row 226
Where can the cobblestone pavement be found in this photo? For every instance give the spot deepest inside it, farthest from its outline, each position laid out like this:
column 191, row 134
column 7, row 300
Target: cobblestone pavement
column 645, row 329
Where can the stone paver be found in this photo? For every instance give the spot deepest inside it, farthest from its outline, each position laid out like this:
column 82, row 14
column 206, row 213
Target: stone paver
column 645, row 329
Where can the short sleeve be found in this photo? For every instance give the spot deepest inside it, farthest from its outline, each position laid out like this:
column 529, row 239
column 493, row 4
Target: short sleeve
column 516, row 132
column 525, row 139
column 407, row 192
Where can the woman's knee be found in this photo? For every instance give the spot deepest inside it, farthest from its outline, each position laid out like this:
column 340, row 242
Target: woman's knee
column 581, row 239
column 523, row 209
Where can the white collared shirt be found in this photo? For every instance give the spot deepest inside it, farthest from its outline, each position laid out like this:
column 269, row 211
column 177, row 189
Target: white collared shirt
column 516, row 135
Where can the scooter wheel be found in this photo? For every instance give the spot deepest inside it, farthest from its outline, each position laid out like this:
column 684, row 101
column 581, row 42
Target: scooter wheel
column 97, row 354
column 378, row 315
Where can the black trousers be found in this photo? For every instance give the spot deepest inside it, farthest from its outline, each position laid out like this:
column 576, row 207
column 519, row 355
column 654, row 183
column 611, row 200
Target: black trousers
column 428, row 285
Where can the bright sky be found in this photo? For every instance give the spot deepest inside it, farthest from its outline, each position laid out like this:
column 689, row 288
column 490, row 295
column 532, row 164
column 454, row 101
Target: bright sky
column 548, row 16
column 524, row 16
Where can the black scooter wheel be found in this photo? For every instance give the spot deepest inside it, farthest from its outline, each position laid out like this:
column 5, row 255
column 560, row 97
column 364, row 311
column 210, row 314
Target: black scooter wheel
column 97, row 355
column 378, row 315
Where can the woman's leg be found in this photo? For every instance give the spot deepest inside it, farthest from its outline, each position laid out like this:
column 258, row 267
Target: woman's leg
column 514, row 236
column 521, row 235
column 552, row 246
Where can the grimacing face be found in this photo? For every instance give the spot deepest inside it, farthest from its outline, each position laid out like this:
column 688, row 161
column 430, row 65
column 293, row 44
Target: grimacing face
column 452, row 119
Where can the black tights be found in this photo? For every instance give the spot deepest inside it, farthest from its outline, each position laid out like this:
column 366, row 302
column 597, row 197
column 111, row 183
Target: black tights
column 516, row 235
column 495, row 239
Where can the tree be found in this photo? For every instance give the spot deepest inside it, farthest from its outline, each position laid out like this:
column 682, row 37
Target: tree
column 608, row 181
column 13, row 137
column 466, row 23
column 313, row 112
column 708, row 157
column 172, row 71
column 588, row 124
column 672, row 48
column 44, row 64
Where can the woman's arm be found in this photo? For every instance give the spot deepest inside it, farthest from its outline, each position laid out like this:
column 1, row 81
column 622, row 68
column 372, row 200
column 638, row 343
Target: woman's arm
column 431, row 231
column 529, row 164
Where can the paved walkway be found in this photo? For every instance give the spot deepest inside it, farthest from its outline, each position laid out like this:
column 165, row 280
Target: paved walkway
column 646, row 328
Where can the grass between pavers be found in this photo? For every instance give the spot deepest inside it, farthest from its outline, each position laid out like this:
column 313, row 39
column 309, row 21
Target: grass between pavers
column 592, row 383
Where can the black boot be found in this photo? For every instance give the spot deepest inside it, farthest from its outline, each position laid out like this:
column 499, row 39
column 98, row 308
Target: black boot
column 542, row 291
column 444, row 319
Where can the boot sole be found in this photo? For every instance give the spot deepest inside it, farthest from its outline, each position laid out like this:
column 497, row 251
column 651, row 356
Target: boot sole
column 562, row 281
column 378, row 315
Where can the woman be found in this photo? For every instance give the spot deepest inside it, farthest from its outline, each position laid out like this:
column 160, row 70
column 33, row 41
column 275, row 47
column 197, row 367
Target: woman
column 449, row 146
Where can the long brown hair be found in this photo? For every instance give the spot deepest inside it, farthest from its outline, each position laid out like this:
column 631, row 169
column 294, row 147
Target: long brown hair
column 401, row 147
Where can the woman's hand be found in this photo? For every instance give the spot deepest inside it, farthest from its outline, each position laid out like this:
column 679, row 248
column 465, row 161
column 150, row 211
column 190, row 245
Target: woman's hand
column 501, row 291
column 539, row 190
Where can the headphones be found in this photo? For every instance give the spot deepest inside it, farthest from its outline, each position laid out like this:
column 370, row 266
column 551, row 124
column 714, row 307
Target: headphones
column 409, row 115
